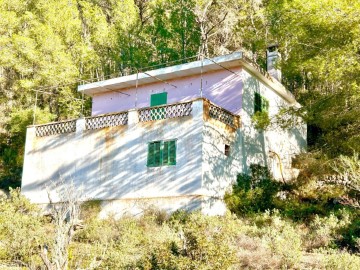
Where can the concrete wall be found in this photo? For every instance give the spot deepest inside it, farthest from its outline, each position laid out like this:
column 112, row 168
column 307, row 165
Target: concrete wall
column 110, row 163
column 257, row 144
column 221, row 87
column 219, row 171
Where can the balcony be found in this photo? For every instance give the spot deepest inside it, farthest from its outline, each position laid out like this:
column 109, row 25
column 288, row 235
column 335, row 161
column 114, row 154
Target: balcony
column 168, row 111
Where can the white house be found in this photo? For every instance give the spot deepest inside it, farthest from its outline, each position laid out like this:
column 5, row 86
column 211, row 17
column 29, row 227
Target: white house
column 174, row 137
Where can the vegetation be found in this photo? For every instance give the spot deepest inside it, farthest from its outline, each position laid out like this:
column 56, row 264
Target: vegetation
column 93, row 39
column 179, row 241
column 315, row 224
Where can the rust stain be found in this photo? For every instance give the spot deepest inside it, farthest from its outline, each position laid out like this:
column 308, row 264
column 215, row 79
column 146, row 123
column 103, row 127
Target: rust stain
column 217, row 123
column 206, row 108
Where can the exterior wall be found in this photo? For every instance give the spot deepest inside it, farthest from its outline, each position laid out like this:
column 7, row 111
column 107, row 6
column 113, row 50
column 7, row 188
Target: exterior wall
column 219, row 171
column 221, row 87
column 257, row 144
column 110, row 163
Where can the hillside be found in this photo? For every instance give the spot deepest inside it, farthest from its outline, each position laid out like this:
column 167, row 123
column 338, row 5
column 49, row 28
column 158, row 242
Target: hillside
column 48, row 47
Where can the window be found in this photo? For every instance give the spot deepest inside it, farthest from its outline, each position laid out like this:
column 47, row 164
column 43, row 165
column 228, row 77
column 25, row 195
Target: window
column 227, row 150
column 260, row 103
column 157, row 100
column 161, row 153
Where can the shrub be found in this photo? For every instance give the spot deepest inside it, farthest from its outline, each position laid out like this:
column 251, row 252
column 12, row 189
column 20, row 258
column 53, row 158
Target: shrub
column 261, row 120
column 253, row 193
column 325, row 230
column 281, row 237
column 21, row 230
column 202, row 242
column 341, row 260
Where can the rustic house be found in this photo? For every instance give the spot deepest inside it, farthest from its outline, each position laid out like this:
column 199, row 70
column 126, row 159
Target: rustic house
column 173, row 137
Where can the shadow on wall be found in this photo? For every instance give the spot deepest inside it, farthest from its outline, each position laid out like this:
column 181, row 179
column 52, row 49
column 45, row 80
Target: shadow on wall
column 253, row 142
column 257, row 143
column 110, row 163
column 220, row 170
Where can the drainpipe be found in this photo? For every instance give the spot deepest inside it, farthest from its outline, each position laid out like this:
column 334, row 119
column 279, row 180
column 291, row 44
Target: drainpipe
column 281, row 167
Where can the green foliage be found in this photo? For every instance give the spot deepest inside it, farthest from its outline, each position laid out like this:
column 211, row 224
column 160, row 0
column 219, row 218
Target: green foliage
column 348, row 168
column 261, row 120
column 21, row 230
column 253, row 193
column 325, row 230
column 181, row 241
column 12, row 146
column 319, row 41
column 282, row 237
column 341, row 260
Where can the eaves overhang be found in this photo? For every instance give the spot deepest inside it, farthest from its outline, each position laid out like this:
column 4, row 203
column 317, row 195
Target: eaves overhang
column 184, row 70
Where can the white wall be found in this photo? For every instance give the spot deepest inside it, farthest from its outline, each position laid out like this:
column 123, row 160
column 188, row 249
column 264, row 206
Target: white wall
column 219, row 171
column 257, row 144
column 110, row 163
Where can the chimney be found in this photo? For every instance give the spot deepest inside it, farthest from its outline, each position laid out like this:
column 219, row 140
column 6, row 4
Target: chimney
column 272, row 58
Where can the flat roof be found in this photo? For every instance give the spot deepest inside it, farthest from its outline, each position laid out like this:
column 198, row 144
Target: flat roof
column 235, row 59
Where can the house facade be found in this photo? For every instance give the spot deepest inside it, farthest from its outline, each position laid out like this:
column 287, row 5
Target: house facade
column 175, row 137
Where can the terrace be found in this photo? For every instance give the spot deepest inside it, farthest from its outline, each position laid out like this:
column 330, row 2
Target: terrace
column 134, row 116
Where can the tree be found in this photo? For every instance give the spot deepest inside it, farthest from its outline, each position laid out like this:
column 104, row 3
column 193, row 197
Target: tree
column 319, row 41
column 65, row 214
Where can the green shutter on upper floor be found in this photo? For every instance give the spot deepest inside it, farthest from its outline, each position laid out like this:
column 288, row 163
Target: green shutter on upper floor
column 264, row 104
column 261, row 104
column 257, row 103
column 158, row 99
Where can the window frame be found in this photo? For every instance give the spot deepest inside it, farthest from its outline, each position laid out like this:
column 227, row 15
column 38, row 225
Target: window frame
column 261, row 104
column 166, row 155
column 227, row 150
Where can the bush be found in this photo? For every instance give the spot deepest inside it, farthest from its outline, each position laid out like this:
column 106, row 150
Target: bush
column 202, row 242
column 325, row 230
column 22, row 230
column 253, row 193
column 261, row 120
column 341, row 260
column 281, row 237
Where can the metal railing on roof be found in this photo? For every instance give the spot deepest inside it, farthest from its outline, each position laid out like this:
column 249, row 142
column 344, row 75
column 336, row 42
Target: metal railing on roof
column 132, row 70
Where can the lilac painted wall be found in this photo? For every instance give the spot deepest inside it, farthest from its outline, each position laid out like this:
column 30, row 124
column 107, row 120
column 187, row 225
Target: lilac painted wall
column 221, row 87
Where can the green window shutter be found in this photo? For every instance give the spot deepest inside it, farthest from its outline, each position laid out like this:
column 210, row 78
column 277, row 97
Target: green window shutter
column 151, row 150
column 161, row 153
column 172, row 152
column 158, row 99
column 264, row 104
column 166, row 153
column 157, row 154
column 154, row 154
column 257, row 103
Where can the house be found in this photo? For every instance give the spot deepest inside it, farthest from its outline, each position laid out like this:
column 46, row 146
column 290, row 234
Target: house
column 173, row 137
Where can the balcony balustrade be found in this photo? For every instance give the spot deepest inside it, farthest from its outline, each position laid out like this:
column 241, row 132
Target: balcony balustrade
column 168, row 111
